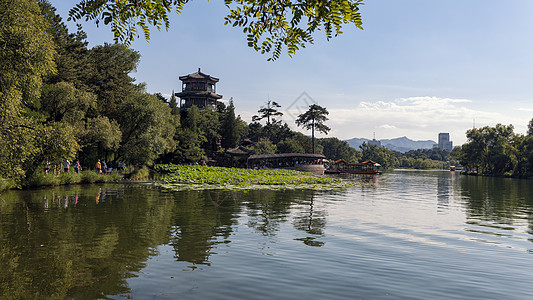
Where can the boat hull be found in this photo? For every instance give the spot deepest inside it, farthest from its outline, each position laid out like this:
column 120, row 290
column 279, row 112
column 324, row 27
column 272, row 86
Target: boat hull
column 371, row 172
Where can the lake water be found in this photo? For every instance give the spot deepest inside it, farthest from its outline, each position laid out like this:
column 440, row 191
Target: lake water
column 401, row 235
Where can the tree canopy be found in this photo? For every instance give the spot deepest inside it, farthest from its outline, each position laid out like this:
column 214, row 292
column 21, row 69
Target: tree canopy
column 496, row 150
column 270, row 26
column 268, row 111
column 26, row 55
column 314, row 119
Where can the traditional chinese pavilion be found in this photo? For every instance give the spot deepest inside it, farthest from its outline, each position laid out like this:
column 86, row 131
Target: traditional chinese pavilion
column 198, row 89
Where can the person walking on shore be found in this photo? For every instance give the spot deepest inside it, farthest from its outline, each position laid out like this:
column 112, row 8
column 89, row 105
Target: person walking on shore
column 77, row 166
column 98, row 166
column 66, row 165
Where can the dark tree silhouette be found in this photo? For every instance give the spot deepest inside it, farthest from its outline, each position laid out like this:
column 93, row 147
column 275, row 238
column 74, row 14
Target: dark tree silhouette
column 314, row 119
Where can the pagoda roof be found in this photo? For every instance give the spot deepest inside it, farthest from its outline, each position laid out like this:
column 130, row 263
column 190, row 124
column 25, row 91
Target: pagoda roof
column 239, row 151
column 199, row 75
column 198, row 93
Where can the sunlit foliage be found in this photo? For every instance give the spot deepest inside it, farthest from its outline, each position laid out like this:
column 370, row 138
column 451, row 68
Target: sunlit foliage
column 270, row 26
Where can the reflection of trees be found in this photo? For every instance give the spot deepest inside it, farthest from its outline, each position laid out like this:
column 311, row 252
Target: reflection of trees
column 497, row 199
column 51, row 246
column 86, row 241
column 310, row 220
column 266, row 210
column 443, row 189
column 200, row 217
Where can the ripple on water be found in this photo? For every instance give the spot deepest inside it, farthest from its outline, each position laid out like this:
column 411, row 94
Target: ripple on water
column 403, row 235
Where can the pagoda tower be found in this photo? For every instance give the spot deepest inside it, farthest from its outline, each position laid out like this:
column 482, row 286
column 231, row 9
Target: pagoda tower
column 198, row 89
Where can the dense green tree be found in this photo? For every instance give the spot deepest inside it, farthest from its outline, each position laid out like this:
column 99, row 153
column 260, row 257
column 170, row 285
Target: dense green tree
column 255, row 130
column 526, row 155
column 209, row 129
column 381, row 155
column 147, row 128
column 100, row 137
column 335, row 149
column 161, row 97
column 189, row 138
column 502, row 155
column 57, row 142
column 175, row 110
column 523, row 154
column 270, row 26
column 530, row 128
column 26, row 55
column 264, row 146
column 107, row 75
column 188, row 149
column 433, row 154
column 71, row 56
column 290, row 145
column 232, row 127
column 277, row 131
column 306, row 142
column 63, row 102
column 494, row 150
column 314, row 119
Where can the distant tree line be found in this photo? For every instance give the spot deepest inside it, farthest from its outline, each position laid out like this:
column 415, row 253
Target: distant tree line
column 498, row 151
column 434, row 158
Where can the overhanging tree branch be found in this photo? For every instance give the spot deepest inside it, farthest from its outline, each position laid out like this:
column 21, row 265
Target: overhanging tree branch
column 271, row 27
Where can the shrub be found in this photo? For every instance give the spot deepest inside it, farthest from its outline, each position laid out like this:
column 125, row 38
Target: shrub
column 69, row 178
column 42, row 179
column 89, row 176
column 6, row 184
column 114, row 176
column 142, row 173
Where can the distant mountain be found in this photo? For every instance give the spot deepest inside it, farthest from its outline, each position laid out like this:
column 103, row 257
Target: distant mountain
column 401, row 144
column 356, row 142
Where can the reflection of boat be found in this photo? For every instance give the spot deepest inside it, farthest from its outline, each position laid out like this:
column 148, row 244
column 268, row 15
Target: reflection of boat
column 366, row 167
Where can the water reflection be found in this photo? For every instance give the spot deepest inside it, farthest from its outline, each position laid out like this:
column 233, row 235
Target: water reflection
column 497, row 199
column 201, row 220
column 72, row 246
column 89, row 241
column 312, row 221
column 444, row 188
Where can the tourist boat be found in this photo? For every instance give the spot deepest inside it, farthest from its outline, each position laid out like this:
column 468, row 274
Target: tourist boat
column 366, row 167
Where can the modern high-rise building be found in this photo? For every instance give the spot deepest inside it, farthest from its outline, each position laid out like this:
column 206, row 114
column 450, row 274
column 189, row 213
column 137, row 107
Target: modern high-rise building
column 444, row 142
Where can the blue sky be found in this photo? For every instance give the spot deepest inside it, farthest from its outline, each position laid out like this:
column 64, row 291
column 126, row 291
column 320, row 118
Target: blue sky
column 418, row 68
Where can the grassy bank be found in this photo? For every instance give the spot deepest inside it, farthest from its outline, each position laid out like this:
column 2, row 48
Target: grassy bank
column 49, row 179
column 200, row 177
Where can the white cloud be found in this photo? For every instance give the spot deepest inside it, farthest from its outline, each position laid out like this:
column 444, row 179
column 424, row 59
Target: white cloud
column 419, row 118
column 387, row 126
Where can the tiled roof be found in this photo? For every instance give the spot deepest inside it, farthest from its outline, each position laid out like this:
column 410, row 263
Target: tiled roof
column 198, row 93
column 285, row 155
column 199, row 75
